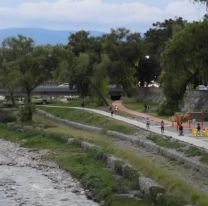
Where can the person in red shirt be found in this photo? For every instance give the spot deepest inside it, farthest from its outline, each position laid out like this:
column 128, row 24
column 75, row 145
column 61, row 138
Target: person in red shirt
column 162, row 126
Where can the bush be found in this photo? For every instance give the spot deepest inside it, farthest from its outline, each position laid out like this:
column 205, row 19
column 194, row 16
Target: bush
column 193, row 151
column 6, row 116
column 154, row 191
column 24, row 113
column 167, row 200
column 118, row 167
column 130, row 173
column 99, row 154
column 165, row 109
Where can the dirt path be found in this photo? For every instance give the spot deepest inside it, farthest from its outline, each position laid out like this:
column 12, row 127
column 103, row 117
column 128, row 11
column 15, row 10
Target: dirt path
column 122, row 108
column 25, row 179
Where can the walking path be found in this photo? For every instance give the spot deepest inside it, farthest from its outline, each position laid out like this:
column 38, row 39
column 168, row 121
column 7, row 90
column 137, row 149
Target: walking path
column 197, row 141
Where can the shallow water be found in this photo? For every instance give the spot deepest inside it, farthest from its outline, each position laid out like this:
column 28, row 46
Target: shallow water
column 27, row 180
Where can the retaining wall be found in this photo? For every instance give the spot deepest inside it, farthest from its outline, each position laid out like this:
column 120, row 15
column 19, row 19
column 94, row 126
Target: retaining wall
column 148, row 145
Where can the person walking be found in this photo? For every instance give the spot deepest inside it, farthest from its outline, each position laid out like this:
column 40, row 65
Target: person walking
column 145, row 107
column 180, row 129
column 148, row 123
column 198, row 128
column 162, row 126
column 111, row 110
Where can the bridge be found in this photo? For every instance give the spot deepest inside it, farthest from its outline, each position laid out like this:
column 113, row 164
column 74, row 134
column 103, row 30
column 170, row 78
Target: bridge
column 114, row 91
column 43, row 91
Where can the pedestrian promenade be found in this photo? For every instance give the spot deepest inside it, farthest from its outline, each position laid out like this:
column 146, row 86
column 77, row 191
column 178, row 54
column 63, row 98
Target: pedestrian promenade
column 201, row 142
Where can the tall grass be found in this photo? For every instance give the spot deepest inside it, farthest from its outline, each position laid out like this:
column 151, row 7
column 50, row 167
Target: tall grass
column 174, row 185
column 90, row 118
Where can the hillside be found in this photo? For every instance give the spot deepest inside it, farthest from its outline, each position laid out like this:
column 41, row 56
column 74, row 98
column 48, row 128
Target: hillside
column 42, row 36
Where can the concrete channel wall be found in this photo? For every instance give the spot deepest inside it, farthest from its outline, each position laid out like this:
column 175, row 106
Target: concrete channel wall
column 145, row 183
column 148, row 145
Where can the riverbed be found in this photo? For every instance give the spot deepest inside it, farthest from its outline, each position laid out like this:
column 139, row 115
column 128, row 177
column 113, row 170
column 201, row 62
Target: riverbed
column 27, row 179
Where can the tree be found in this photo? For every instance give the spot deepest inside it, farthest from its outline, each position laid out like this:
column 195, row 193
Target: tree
column 87, row 69
column 32, row 65
column 185, row 61
column 81, row 74
column 156, row 38
column 202, row 1
column 146, row 70
column 8, row 73
column 100, row 81
column 124, row 50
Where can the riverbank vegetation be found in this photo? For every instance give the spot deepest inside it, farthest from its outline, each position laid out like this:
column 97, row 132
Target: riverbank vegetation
column 43, row 133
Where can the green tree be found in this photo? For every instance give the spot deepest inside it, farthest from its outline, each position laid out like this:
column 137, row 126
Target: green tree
column 156, row 38
column 8, row 73
column 32, row 65
column 100, row 81
column 124, row 50
column 185, row 61
column 87, row 66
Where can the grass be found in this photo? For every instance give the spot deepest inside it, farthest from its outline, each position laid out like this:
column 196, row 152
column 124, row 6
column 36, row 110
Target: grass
column 174, row 185
column 165, row 142
column 194, row 151
column 139, row 106
column 125, row 201
column 90, row 118
column 92, row 173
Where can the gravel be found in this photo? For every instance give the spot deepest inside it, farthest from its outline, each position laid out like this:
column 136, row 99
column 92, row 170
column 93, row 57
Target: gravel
column 26, row 179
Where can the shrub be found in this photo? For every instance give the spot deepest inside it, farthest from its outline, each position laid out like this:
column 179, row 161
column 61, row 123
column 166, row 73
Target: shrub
column 99, row 154
column 154, row 191
column 24, row 113
column 76, row 142
column 6, row 116
column 193, row 151
column 165, row 109
column 167, row 200
column 118, row 167
column 130, row 173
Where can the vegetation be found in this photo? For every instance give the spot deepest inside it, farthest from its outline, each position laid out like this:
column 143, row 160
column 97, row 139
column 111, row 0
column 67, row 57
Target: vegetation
column 183, row 63
column 194, row 151
column 86, row 117
column 174, row 185
column 147, row 167
column 165, row 141
column 125, row 201
column 92, row 174
column 92, row 63
column 28, row 66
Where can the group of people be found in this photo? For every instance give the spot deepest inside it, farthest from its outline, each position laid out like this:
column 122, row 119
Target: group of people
column 162, row 125
column 146, row 107
column 113, row 109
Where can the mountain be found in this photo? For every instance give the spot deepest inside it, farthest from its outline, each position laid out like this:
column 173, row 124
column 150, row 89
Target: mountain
column 42, row 36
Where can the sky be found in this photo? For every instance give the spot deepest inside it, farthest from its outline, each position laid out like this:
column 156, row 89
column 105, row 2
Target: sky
column 99, row 15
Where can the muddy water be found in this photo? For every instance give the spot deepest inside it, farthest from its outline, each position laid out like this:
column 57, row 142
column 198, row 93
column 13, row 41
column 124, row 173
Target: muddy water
column 25, row 179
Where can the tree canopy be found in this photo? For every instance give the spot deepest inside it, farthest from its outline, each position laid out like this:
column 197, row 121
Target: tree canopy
column 185, row 61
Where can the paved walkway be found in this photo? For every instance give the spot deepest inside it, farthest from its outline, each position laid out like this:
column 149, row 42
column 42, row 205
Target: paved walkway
column 201, row 142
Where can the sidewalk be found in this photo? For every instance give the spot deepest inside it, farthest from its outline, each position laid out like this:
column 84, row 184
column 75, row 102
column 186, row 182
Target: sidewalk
column 201, row 142
column 197, row 141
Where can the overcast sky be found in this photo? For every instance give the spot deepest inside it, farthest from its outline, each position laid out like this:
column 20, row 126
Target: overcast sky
column 101, row 15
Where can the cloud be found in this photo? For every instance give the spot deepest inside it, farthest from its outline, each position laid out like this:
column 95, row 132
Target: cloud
column 99, row 14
